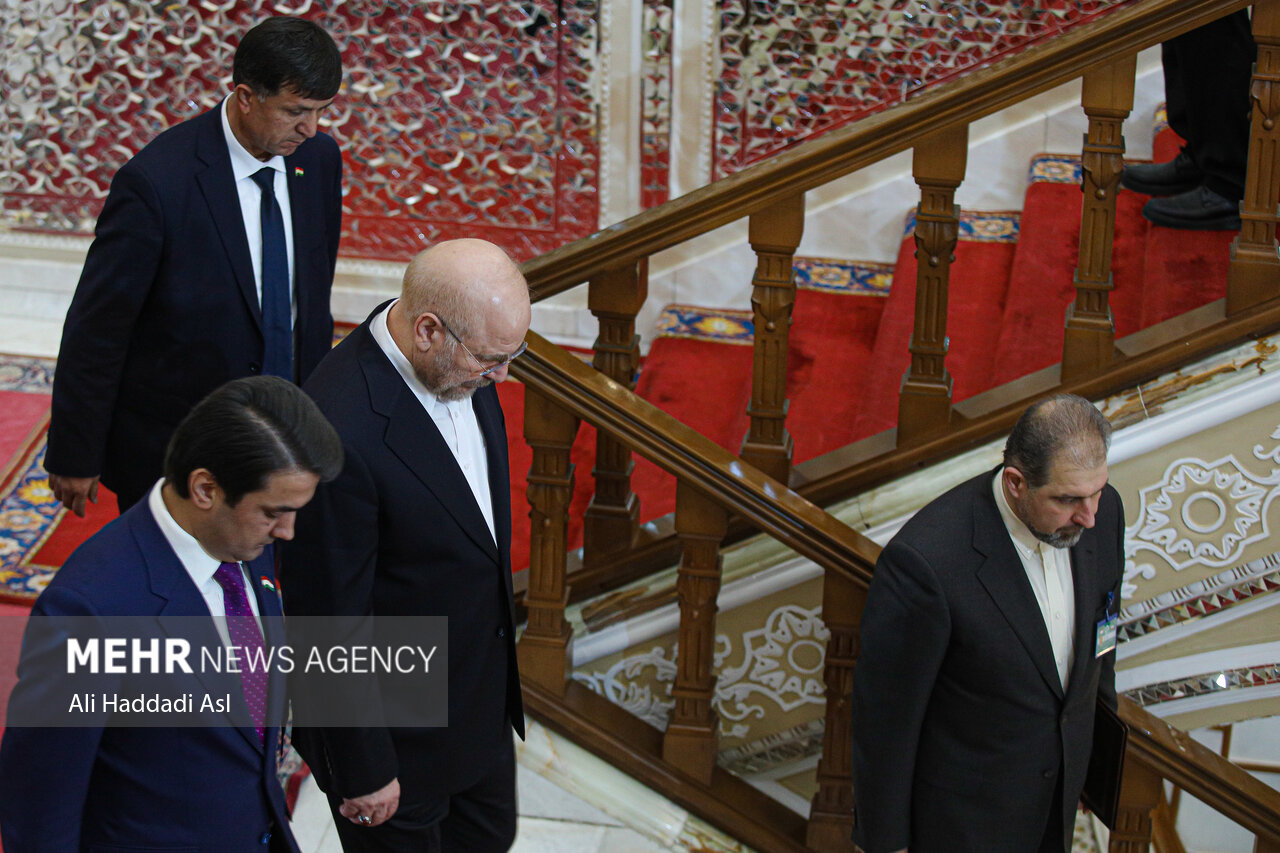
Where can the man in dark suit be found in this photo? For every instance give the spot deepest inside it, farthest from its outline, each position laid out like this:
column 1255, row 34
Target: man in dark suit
column 192, row 278
column 1206, row 84
column 987, row 636
column 417, row 524
column 199, row 546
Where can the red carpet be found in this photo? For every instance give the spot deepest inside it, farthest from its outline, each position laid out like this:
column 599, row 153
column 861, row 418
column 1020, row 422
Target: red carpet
column 979, row 278
column 1042, row 277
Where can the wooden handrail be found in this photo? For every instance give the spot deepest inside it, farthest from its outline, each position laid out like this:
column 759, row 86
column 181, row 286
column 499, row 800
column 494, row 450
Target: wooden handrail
column 840, row 152
column 1215, row 781
column 696, row 460
column 712, row 482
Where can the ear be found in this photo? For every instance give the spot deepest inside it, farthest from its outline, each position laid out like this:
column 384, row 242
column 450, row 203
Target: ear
column 425, row 327
column 203, row 489
column 1015, row 483
column 242, row 97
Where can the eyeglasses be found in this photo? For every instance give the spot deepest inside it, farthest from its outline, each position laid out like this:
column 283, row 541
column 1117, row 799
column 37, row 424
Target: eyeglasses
column 524, row 345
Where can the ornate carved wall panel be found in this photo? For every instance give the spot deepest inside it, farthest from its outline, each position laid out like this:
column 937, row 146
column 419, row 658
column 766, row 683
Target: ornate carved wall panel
column 456, row 119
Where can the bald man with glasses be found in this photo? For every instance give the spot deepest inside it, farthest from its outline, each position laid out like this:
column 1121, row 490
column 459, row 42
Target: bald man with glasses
column 419, row 524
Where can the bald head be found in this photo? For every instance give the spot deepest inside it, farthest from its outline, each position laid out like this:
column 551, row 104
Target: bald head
column 465, row 281
column 462, row 315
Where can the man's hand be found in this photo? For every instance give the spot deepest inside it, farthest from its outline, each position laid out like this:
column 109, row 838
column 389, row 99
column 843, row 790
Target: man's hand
column 376, row 807
column 73, row 492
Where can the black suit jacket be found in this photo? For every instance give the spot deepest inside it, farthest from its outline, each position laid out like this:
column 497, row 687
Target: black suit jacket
column 961, row 728
column 399, row 533
column 96, row 787
column 166, row 308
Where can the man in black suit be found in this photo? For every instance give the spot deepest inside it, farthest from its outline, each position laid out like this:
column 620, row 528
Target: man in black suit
column 1206, row 83
column 418, row 524
column 987, row 636
column 195, row 557
column 193, row 278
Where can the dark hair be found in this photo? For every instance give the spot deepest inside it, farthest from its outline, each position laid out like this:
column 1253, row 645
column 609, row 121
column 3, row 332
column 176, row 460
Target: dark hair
column 248, row 430
column 288, row 53
column 1058, row 425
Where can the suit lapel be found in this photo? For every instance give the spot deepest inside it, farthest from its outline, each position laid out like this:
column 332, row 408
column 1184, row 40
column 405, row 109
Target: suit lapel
column 186, row 612
column 412, row 436
column 1084, row 576
column 1005, row 580
column 218, row 186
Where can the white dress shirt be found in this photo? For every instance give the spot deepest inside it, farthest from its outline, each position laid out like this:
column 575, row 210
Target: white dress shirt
column 243, row 166
column 455, row 420
column 199, row 565
column 1049, row 571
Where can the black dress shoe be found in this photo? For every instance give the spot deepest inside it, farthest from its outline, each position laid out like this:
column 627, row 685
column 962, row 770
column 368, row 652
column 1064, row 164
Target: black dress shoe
column 1201, row 209
column 1176, row 176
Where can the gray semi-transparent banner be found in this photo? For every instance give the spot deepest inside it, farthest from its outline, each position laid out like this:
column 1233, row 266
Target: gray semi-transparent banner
column 390, row 671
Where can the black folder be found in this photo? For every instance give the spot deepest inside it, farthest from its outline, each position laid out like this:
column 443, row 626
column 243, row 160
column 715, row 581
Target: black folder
column 1101, row 793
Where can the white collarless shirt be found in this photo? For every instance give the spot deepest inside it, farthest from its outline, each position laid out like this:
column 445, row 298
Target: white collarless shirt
column 243, row 166
column 1049, row 571
column 456, row 420
column 199, row 565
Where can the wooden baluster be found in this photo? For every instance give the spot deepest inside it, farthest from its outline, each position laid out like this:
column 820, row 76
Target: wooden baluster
column 544, row 650
column 614, row 297
column 831, row 813
column 1254, row 275
column 774, row 234
column 938, row 162
column 1089, row 342
column 690, row 741
column 1141, row 790
column 1164, row 828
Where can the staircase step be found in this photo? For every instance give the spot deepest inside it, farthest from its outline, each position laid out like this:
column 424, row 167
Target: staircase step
column 1041, row 285
column 979, row 276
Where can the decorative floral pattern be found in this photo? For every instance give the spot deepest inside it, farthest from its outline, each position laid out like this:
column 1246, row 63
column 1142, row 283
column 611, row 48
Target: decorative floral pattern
column 1200, row 513
column 469, row 118
column 781, row 667
column 978, row 226
column 795, row 70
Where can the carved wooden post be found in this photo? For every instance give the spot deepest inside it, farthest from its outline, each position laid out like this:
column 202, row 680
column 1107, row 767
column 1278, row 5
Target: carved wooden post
column 774, row 233
column 1254, row 275
column 690, row 741
column 831, row 813
column 1164, row 827
column 924, row 406
column 1141, row 790
column 544, row 651
column 614, row 297
column 1089, row 342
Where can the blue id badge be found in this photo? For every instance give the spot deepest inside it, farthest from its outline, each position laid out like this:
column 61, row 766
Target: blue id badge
column 1106, row 636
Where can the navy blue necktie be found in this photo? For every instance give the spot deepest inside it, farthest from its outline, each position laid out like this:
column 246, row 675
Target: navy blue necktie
column 277, row 319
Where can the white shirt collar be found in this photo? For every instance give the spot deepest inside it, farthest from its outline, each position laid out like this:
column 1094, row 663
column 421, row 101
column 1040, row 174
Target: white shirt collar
column 1023, row 539
column 244, row 164
column 193, row 557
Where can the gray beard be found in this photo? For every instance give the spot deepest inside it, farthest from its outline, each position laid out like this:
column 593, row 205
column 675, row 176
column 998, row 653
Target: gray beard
column 1057, row 539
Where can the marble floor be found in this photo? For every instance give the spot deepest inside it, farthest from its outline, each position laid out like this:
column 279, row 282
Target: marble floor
column 569, row 800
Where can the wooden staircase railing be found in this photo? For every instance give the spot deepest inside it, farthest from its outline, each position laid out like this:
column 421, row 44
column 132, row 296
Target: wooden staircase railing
column 680, row 763
column 721, row 496
column 561, row 392
column 935, row 125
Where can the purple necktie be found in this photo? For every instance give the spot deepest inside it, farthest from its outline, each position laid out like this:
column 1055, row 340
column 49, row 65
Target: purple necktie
column 246, row 636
